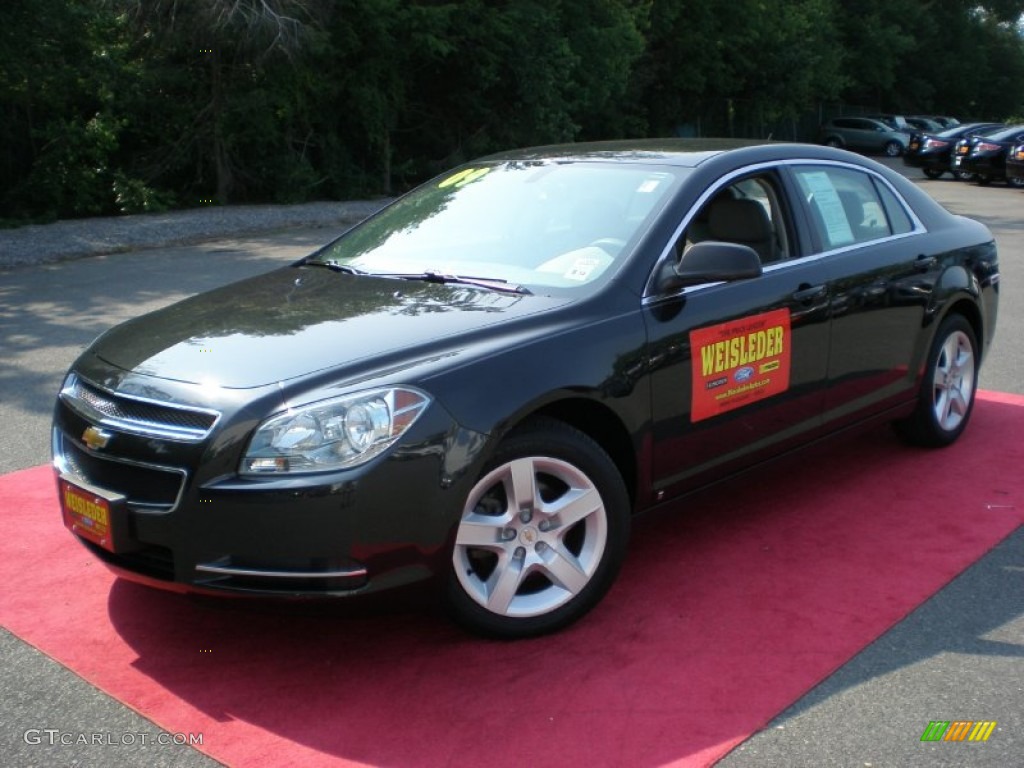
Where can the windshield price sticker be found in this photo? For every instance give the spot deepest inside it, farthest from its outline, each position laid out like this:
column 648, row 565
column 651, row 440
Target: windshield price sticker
column 464, row 177
column 739, row 363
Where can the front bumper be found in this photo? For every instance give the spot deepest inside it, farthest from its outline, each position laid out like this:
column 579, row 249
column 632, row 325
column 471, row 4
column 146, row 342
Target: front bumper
column 189, row 525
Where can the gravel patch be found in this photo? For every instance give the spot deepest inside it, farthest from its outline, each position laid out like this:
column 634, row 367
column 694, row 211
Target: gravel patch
column 78, row 238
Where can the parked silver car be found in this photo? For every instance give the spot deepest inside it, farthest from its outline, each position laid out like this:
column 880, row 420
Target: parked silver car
column 863, row 133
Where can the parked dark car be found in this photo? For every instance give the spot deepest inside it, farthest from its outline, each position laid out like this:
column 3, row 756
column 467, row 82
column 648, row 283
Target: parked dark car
column 933, row 152
column 1015, row 166
column 865, row 134
column 477, row 387
column 984, row 157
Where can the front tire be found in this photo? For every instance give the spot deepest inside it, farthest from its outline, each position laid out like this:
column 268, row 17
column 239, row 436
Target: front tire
column 893, row 149
column 932, row 173
column 947, row 392
column 1015, row 181
column 542, row 536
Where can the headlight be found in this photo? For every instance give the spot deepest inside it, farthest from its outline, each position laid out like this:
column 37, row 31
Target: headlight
column 332, row 434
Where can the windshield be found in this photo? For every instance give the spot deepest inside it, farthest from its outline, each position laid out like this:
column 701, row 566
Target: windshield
column 542, row 224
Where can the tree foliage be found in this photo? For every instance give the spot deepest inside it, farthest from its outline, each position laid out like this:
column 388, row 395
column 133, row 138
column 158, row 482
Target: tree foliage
column 135, row 105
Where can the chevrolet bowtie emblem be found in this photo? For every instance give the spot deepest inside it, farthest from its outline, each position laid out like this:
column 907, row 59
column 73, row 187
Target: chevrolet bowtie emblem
column 95, row 438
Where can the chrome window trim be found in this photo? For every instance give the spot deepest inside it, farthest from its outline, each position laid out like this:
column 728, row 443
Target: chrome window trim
column 650, row 296
column 142, row 427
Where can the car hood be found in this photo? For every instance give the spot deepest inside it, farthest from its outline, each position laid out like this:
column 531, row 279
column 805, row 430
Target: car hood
column 299, row 320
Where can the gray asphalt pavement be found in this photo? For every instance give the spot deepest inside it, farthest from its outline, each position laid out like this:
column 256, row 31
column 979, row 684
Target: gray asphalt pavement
column 959, row 654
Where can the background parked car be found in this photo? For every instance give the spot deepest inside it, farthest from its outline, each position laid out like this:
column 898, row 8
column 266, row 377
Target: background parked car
column 923, row 124
column 863, row 133
column 899, row 122
column 944, row 120
column 985, row 156
column 1015, row 166
column 932, row 152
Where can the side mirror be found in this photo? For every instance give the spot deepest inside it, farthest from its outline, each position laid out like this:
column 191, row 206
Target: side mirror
column 712, row 261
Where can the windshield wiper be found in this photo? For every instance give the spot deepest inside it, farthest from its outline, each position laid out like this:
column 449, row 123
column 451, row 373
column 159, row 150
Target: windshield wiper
column 429, row 276
column 491, row 283
column 337, row 266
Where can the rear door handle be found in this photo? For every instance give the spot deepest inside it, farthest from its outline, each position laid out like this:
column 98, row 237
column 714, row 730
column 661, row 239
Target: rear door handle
column 925, row 263
column 808, row 293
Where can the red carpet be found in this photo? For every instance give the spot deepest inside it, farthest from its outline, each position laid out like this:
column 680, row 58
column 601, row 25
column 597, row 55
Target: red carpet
column 731, row 606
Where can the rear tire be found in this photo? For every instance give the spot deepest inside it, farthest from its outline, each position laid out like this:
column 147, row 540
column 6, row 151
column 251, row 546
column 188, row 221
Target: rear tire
column 832, row 141
column 947, row 391
column 542, row 536
column 932, row 173
column 893, row 149
column 1015, row 181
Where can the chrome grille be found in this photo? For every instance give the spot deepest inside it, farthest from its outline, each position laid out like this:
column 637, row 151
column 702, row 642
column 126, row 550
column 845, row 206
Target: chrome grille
column 145, row 487
column 135, row 415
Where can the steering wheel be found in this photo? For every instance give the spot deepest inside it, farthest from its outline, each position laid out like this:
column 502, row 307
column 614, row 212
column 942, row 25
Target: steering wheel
column 610, row 245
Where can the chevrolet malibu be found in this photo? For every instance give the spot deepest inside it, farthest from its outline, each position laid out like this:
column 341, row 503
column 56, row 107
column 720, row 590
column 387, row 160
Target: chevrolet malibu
column 477, row 387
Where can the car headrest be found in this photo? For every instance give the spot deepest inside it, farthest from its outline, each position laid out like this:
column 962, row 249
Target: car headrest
column 741, row 221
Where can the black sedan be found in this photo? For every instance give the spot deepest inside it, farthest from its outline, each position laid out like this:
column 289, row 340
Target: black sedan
column 476, row 388
column 933, row 152
column 1015, row 166
column 984, row 157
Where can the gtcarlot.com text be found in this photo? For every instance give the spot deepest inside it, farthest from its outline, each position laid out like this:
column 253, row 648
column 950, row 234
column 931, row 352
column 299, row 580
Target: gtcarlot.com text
column 55, row 737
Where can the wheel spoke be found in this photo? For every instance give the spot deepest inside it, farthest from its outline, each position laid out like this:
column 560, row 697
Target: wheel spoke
column 521, row 486
column 941, row 404
column 958, row 401
column 565, row 570
column 571, row 507
column 503, row 584
column 481, row 531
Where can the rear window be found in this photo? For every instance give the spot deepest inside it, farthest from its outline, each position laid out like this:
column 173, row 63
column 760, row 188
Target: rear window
column 848, row 208
column 1007, row 134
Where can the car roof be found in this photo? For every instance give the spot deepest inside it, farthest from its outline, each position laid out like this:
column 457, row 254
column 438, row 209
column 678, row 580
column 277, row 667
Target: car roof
column 712, row 158
column 683, row 153
column 687, row 153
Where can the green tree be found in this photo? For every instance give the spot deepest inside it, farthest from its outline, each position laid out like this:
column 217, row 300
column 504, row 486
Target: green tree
column 59, row 127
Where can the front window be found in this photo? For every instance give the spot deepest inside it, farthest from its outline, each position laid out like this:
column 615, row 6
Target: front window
column 539, row 224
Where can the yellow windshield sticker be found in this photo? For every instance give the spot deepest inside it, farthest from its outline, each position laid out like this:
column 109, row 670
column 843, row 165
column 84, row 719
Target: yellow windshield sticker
column 464, row 177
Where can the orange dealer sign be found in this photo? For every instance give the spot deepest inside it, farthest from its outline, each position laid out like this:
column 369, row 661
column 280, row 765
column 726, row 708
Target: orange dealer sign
column 740, row 362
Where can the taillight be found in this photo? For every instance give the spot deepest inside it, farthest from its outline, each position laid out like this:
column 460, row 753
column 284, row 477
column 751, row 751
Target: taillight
column 986, row 146
column 935, row 143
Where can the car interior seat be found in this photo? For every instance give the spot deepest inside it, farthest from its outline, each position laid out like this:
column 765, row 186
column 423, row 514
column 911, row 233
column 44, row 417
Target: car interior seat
column 743, row 221
column 854, row 208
